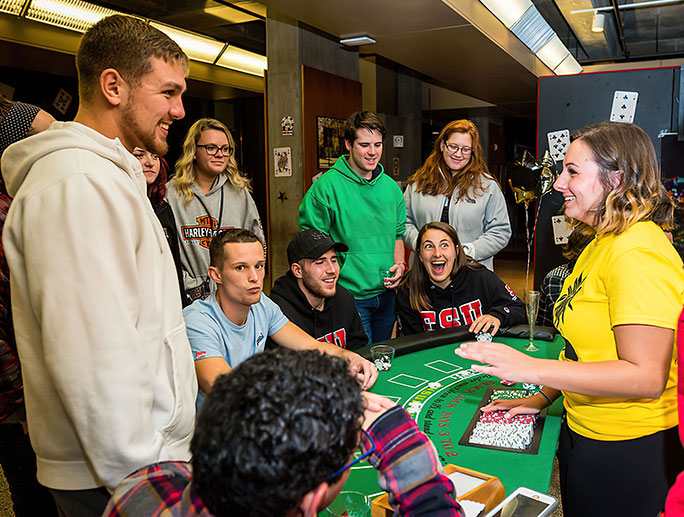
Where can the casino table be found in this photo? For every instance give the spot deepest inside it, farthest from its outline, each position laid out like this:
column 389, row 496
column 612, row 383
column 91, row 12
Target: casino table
column 422, row 359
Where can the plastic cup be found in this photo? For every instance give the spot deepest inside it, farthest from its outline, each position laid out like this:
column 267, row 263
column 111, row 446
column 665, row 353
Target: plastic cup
column 352, row 504
column 382, row 356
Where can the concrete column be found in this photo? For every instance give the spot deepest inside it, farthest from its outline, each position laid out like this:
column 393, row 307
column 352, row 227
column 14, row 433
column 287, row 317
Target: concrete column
column 283, row 97
column 289, row 46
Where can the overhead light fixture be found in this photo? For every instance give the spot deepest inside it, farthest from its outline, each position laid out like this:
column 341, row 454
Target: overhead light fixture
column 79, row 16
column 357, row 41
column 568, row 66
column 507, row 11
column 529, row 26
column 11, row 6
column 199, row 48
column 243, row 60
column 68, row 14
column 533, row 30
column 597, row 22
column 553, row 53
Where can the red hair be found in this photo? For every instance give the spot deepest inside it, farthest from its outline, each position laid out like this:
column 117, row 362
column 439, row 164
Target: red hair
column 156, row 190
column 465, row 183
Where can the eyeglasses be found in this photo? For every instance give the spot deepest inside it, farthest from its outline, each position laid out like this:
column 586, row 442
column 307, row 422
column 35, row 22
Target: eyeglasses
column 212, row 149
column 453, row 148
column 360, row 458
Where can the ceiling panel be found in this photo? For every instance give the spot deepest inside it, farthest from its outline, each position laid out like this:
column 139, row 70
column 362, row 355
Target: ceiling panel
column 649, row 30
column 378, row 18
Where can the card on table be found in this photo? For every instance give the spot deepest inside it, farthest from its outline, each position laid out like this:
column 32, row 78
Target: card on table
column 624, row 106
column 558, row 143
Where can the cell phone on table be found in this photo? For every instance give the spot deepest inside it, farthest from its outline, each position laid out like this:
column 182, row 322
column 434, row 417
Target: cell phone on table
column 525, row 502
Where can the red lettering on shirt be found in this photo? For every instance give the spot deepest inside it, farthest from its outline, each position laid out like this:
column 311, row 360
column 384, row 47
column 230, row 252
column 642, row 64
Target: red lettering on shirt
column 429, row 319
column 449, row 318
column 471, row 311
column 511, row 292
column 337, row 337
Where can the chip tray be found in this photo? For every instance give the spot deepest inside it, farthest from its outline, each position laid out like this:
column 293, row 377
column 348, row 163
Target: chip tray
column 492, row 423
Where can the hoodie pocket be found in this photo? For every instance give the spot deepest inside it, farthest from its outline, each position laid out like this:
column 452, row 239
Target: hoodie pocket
column 174, row 342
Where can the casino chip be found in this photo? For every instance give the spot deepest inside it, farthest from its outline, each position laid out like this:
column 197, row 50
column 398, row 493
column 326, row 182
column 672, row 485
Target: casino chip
column 483, row 336
column 434, row 385
column 507, row 383
column 414, row 407
column 529, row 386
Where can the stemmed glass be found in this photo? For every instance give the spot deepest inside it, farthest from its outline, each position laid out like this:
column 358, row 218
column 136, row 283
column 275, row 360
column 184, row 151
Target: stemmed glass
column 532, row 309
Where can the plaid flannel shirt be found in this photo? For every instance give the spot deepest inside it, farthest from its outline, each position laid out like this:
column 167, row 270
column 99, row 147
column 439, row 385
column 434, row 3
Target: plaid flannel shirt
column 407, row 464
column 550, row 290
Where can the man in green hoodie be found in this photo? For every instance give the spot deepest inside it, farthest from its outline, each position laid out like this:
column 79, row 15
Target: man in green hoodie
column 355, row 202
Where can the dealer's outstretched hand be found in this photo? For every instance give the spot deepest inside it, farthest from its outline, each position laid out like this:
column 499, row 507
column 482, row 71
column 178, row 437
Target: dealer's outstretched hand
column 499, row 360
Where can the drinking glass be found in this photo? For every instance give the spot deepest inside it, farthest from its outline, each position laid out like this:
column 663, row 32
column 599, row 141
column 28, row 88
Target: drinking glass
column 532, row 309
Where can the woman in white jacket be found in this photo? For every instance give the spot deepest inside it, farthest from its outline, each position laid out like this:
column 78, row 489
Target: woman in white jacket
column 455, row 186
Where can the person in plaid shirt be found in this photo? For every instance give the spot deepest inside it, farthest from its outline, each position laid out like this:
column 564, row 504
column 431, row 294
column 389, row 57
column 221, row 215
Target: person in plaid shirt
column 552, row 285
column 276, row 437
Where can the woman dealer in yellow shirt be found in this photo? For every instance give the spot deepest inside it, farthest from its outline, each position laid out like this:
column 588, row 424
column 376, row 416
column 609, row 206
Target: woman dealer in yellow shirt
column 618, row 450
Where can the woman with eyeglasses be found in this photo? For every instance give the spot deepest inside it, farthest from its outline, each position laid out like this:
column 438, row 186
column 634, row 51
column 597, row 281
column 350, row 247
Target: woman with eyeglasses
column 208, row 194
column 454, row 186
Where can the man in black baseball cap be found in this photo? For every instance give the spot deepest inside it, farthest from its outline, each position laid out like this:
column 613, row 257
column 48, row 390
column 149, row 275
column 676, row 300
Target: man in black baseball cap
column 309, row 296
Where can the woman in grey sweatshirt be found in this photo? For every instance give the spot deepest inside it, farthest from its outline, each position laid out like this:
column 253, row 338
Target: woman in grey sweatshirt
column 208, row 194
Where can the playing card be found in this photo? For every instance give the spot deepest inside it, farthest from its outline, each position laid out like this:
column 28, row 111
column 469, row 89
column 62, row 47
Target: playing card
column 561, row 229
column 624, row 106
column 558, row 143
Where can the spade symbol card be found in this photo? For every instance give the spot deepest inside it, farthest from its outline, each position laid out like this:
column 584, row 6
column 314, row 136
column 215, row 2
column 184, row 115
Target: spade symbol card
column 624, row 106
column 558, row 143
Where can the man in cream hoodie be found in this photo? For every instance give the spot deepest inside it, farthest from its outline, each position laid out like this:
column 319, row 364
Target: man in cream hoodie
column 108, row 372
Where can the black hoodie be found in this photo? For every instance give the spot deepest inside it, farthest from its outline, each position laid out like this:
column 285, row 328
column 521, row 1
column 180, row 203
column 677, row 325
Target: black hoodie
column 472, row 293
column 337, row 323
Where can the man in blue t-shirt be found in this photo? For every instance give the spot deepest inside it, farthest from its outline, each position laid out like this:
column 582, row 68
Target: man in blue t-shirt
column 233, row 325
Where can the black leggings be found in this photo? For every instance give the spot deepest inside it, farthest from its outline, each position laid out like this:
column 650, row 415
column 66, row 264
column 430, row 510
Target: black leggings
column 628, row 477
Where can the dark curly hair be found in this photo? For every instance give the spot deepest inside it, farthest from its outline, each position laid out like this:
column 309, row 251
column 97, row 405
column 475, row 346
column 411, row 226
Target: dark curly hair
column 272, row 430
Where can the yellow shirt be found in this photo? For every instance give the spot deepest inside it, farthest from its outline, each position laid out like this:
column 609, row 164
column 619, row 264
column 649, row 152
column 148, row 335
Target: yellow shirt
column 633, row 278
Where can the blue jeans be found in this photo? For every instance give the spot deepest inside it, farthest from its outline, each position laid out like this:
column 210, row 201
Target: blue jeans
column 377, row 316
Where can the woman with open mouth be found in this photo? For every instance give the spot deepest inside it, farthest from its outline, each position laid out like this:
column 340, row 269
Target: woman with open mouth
column 455, row 186
column 446, row 288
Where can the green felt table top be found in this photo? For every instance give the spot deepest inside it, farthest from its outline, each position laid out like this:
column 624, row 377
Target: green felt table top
column 449, row 409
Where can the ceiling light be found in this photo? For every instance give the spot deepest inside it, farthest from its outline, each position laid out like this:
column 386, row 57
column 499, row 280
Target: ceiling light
column 357, row 41
column 553, row 53
column 533, row 30
column 243, row 60
column 597, row 22
column 199, row 48
column 507, row 11
column 68, row 14
column 568, row 66
column 11, row 6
